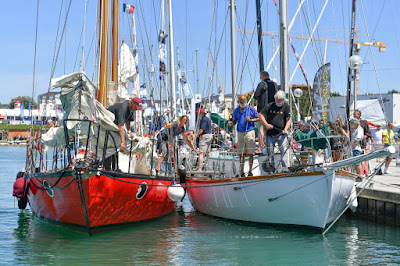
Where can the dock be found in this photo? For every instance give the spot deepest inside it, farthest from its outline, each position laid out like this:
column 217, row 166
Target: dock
column 380, row 200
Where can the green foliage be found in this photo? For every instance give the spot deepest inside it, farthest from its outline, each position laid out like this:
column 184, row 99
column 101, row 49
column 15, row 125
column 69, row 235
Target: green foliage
column 335, row 93
column 25, row 100
column 305, row 104
column 393, row 91
column 20, row 127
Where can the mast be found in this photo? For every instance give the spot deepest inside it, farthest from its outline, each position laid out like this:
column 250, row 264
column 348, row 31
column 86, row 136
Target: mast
column 233, row 53
column 161, row 54
column 352, row 35
column 103, row 53
column 284, row 48
column 197, row 72
column 171, row 61
column 115, row 44
column 259, row 30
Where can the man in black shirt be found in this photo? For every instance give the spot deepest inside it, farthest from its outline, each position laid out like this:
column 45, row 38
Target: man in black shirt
column 204, row 135
column 124, row 114
column 277, row 119
column 264, row 95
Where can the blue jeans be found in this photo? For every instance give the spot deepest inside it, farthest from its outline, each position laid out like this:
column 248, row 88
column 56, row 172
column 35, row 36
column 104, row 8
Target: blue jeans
column 283, row 148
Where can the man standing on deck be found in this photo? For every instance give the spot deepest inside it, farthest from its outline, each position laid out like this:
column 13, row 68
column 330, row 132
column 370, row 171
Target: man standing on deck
column 367, row 136
column 277, row 119
column 264, row 95
column 169, row 132
column 204, row 135
column 245, row 116
column 388, row 139
column 124, row 114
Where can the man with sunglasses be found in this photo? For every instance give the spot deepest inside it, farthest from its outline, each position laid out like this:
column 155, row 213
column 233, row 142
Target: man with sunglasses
column 277, row 119
column 245, row 116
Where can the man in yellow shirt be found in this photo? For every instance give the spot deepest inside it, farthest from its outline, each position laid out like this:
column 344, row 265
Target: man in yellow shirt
column 388, row 139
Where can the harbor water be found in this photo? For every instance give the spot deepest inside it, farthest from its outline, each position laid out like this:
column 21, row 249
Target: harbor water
column 184, row 237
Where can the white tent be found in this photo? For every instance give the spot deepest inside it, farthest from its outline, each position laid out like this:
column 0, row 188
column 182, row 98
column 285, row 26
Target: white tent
column 371, row 110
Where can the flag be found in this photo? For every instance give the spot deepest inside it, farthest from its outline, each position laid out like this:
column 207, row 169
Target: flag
column 128, row 8
column 22, row 111
column 162, row 55
column 321, row 93
column 30, row 110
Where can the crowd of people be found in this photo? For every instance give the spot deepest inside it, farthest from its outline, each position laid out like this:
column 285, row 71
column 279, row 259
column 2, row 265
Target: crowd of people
column 269, row 124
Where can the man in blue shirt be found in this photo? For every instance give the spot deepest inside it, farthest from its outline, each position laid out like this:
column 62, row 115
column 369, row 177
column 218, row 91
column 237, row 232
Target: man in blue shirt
column 245, row 116
column 204, row 135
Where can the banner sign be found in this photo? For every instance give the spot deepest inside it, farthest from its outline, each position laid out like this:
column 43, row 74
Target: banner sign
column 322, row 93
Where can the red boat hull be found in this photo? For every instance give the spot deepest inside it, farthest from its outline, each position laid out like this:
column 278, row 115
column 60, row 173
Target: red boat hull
column 106, row 199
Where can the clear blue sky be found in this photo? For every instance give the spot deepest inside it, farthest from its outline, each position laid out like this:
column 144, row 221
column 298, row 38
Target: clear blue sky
column 192, row 27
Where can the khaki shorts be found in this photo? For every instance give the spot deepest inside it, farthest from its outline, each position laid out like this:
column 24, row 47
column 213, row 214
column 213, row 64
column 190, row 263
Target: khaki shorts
column 246, row 142
column 260, row 125
column 205, row 143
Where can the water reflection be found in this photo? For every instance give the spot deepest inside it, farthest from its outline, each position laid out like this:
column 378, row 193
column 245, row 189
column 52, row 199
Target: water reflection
column 187, row 237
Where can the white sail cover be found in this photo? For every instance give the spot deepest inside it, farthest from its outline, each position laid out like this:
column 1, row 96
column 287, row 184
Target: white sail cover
column 79, row 102
column 127, row 70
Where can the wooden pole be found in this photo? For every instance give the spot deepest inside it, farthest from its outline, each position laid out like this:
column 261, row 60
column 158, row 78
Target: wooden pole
column 115, row 44
column 103, row 54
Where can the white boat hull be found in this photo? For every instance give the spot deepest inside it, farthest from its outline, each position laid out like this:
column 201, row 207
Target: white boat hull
column 308, row 199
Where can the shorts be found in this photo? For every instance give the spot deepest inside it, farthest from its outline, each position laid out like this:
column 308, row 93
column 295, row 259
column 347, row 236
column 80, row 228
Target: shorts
column 205, row 143
column 356, row 153
column 161, row 142
column 260, row 125
column 246, row 142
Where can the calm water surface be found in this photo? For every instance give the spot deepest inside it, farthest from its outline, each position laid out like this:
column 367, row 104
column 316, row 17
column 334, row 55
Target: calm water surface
column 183, row 238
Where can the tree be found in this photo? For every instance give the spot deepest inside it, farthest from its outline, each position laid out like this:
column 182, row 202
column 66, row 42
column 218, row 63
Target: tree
column 25, row 100
column 335, row 93
column 393, row 91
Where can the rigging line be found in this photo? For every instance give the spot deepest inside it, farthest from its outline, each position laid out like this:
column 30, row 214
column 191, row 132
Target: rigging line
column 379, row 18
column 58, row 31
column 373, row 62
column 244, row 38
column 337, row 49
column 306, row 14
column 311, row 37
column 289, row 28
column 59, row 47
column 220, row 42
column 97, row 46
column 209, row 48
column 34, row 61
column 81, row 38
column 315, row 45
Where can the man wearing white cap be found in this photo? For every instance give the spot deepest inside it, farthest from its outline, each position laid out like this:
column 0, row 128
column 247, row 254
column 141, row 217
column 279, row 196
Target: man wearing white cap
column 377, row 136
column 357, row 135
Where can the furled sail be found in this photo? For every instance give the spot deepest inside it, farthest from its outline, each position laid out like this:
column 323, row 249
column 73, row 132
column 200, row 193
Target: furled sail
column 127, row 70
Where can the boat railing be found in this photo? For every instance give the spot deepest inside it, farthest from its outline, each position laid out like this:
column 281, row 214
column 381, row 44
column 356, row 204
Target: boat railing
column 87, row 145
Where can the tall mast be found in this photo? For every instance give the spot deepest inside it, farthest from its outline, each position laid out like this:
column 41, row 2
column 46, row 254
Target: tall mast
column 197, row 72
column 233, row 53
column 259, row 30
column 161, row 55
column 284, row 48
column 115, row 43
column 103, row 53
column 171, row 61
column 352, row 35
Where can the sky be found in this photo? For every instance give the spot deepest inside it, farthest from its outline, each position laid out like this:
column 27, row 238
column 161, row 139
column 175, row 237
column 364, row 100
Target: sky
column 203, row 26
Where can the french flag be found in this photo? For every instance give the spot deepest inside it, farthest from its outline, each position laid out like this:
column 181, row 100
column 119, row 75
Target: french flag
column 128, row 8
